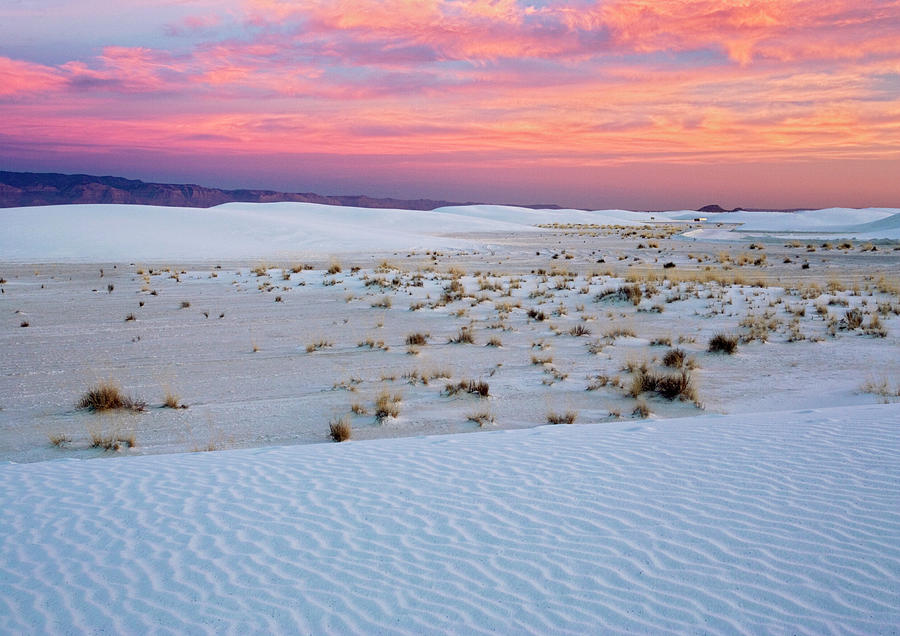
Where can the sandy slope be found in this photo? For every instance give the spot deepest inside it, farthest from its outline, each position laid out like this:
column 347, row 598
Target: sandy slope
column 93, row 233
column 777, row 523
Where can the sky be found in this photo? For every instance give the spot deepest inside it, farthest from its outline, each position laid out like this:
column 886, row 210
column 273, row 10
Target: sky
column 639, row 104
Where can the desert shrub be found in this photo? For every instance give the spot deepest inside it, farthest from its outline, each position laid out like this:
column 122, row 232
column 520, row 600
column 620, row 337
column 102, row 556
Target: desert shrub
column 476, row 387
column 568, row 417
column 641, row 410
column 674, row 358
column 59, row 439
column 340, row 429
column 417, row 339
column 579, row 330
column 536, row 314
column 112, row 441
column 723, row 343
column 464, row 335
column 106, row 396
column 480, row 417
column 387, row 405
column 853, row 319
column 315, row 346
column 334, row 268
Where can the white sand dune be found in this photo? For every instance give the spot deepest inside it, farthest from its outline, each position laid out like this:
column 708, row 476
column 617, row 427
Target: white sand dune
column 92, row 233
column 776, row 523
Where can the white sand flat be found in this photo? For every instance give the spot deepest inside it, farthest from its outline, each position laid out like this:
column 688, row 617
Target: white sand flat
column 777, row 523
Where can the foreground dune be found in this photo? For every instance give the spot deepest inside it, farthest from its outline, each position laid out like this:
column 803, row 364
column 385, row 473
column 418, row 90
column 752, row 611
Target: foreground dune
column 775, row 523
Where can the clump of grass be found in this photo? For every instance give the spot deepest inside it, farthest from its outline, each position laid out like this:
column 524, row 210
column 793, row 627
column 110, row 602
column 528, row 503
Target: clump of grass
column 479, row 387
column 579, row 330
column 674, row 358
column 619, row 332
column 641, row 410
column 723, row 343
column 59, row 439
column 384, row 303
column 359, row 409
column 335, row 268
column 315, row 346
column 173, row 402
column 536, row 314
column 130, row 317
column 387, row 405
column 417, row 339
column 668, row 385
column 567, row 417
column 185, row 304
column 340, row 429
column 464, row 335
column 494, row 341
column 548, row 359
column 106, row 396
column 480, row 417
column 112, row 441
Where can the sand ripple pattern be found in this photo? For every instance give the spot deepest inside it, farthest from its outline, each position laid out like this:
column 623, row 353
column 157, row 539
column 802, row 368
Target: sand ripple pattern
column 775, row 523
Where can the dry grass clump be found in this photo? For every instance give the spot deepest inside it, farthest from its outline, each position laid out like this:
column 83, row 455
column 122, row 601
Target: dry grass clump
column 315, row 346
column 384, row 303
column 494, row 341
column 464, row 335
column 112, row 441
column 568, row 417
column 172, row 401
column 417, row 339
column 387, row 405
column 185, row 304
column 476, row 387
column 334, row 268
column 59, row 439
column 641, row 410
column 579, row 330
column 536, row 314
column 723, row 343
column 340, row 429
column 619, row 332
column 668, row 385
column 481, row 417
column 853, row 319
column 106, row 396
column 881, row 387
column 675, row 358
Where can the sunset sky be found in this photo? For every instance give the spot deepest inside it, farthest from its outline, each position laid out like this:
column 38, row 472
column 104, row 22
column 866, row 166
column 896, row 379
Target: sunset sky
column 602, row 103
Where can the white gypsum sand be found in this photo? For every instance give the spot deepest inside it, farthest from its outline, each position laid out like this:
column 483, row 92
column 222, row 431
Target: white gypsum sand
column 772, row 523
column 269, row 322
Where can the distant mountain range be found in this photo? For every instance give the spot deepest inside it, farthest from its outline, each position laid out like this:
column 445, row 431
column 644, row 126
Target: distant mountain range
column 20, row 189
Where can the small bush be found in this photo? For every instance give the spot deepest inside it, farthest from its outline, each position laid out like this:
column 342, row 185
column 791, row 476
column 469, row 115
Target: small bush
column 579, row 330
column 334, row 268
column 340, row 429
column 59, row 439
column 723, row 343
column 568, row 417
column 481, row 417
column 494, row 341
column 536, row 314
column 641, row 410
column 315, row 346
column 479, row 387
column 106, row 396
column 674, row 358
column 387, row 405
column 112, row 441
column 417, row 339
column 464, row 335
